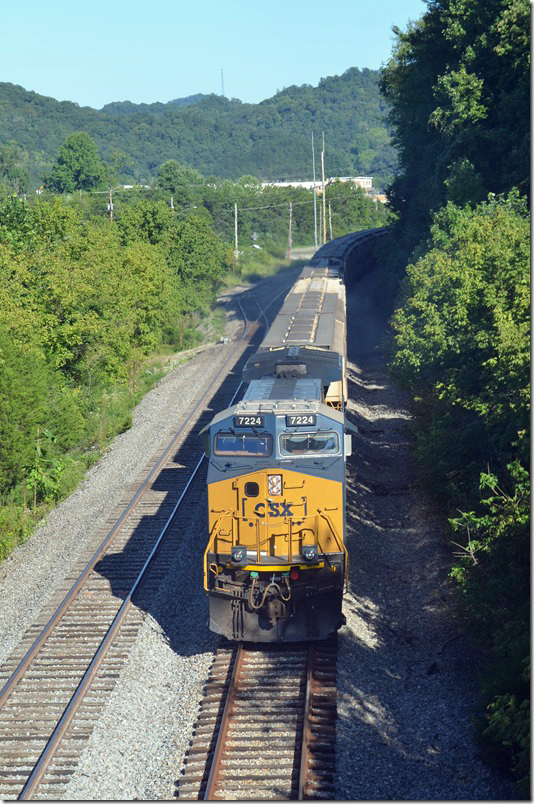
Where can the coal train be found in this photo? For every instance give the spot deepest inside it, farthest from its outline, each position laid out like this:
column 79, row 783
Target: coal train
column 275, row 565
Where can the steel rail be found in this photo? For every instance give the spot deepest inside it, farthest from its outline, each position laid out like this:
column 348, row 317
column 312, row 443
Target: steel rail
column 213, row 777
column 70, row 711
column 306, row 726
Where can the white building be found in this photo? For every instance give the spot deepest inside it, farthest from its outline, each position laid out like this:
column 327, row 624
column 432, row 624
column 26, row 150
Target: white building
column 365, row 182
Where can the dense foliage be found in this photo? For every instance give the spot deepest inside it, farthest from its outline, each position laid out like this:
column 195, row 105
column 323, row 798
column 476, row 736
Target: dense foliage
column 263, row 212
column 463, row 342
column 13, row 177
column 459, row 88
column 82, row 303
column 458, row 84
column 77, row 167
column 212, row 134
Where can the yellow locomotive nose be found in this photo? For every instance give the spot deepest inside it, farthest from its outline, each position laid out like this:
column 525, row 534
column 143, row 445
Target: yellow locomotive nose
column 274, row 555
column 276, row 517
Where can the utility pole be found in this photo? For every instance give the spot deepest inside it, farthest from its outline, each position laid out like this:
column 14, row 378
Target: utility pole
column 236, row 252
column 324, row 195
column 222, row 82
column 314, row 196
column 330, row 218
column 110, row 204
column 289, row 240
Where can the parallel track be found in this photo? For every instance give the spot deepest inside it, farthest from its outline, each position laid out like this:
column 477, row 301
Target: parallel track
column 63, row 672
column 267, row 725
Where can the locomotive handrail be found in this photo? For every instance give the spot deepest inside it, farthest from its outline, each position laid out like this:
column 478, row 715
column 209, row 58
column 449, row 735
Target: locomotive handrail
column 213, row 536
column 287, row 520
column 342, row 544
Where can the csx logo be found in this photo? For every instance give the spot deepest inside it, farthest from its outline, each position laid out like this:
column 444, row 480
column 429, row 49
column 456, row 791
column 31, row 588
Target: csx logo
column 273, row 509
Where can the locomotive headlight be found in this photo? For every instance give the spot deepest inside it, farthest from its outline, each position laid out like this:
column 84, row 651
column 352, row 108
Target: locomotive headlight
column 274, row 484
column 239, row 554
column 309, row 553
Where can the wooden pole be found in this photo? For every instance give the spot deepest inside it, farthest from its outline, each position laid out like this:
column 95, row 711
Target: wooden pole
column 290, row 241
column 236, row 252
column 314, row 197
column 324, row 195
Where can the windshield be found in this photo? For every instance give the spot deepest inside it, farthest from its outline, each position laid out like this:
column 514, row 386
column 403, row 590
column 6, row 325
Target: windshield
column 309, row 443
column 243, row 444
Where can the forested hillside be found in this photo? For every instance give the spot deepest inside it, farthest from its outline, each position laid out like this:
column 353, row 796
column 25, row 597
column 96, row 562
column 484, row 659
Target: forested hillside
column 458, row 85
column 217, row 136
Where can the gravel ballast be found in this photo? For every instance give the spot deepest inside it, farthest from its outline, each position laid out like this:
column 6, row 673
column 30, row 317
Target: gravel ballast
column 406, row 678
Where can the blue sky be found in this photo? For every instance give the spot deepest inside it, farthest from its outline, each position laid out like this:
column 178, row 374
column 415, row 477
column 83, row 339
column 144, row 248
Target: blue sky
column 96, row 52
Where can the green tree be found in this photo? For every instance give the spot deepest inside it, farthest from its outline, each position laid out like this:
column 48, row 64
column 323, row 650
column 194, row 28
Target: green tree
column 78, row 166
column 200, row 258
column 14, row 178
column 462, row 340
column 182, row 182
column 459, row 88
column 119, row 165
column 462, row 348
column 351, row 209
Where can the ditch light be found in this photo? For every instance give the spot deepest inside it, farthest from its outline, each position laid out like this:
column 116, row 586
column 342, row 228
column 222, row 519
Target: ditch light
column 309, row 553
column 239, row 554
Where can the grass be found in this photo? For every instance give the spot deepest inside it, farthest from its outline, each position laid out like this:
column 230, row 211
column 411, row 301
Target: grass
column 255, row 265
column 110, row 413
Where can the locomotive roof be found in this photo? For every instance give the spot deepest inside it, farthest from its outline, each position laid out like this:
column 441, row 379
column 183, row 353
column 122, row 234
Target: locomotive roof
column 272, row 388
column 292, row 361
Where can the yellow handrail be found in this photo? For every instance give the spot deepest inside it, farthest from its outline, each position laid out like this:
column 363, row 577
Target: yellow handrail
column 322, row 512
column 213, row 536
column 339, row 544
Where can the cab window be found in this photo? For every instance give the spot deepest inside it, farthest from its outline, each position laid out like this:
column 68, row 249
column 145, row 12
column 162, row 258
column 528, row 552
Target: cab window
column 243, row 444
column 309, row 443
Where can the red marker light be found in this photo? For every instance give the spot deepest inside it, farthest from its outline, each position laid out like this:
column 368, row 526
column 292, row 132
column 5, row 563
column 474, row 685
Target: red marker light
column 294, row 574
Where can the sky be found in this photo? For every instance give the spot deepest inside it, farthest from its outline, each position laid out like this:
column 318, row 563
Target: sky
column 98, row 51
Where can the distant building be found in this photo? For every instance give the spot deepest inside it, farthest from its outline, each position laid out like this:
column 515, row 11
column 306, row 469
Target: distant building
column 365, row 182
column 380, row 197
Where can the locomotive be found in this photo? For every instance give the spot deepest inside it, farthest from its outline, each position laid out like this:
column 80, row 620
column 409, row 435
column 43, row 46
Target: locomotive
column 275, row 565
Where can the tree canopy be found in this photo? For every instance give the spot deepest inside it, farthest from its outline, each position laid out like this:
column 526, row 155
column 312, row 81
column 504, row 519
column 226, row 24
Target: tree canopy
column 78, row 166
column 459, row 88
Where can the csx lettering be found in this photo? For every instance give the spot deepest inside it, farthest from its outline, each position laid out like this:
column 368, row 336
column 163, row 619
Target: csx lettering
column 274, row 509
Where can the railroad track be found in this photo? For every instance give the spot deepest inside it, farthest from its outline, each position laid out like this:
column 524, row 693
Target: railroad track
column 58, row 680
column 266, row 729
